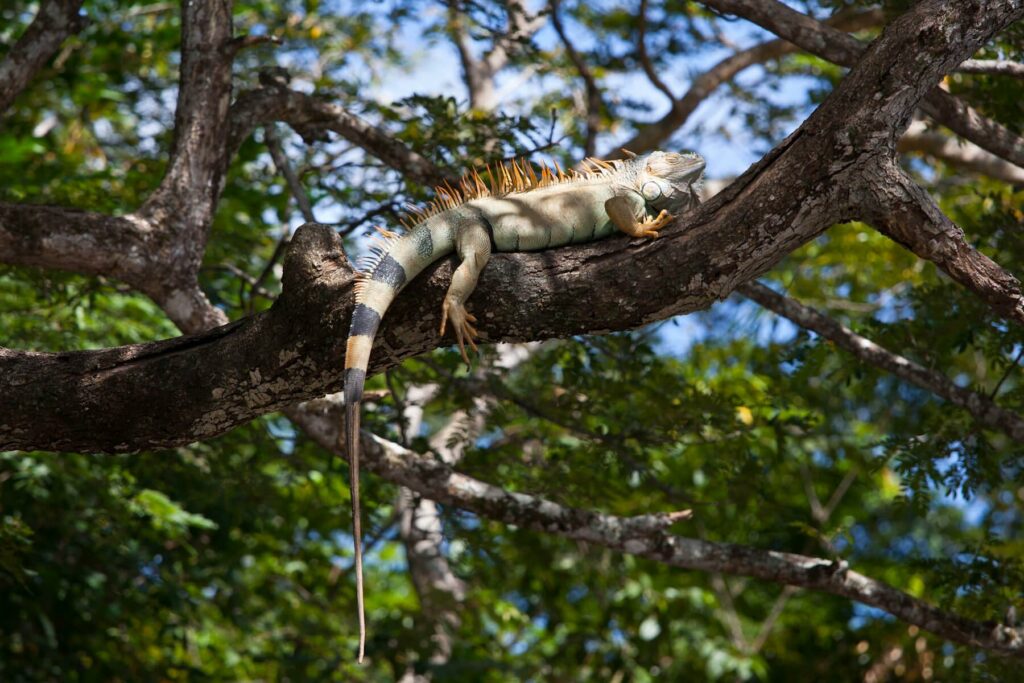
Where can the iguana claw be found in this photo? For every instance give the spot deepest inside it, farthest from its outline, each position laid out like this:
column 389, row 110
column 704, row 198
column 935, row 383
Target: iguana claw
column 461, row 319
column 650, row 228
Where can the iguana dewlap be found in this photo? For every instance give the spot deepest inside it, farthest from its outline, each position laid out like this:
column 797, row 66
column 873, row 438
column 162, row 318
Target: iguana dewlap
column 520, row 211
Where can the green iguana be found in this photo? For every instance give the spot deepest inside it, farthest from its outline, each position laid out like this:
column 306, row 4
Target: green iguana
column 520, row 211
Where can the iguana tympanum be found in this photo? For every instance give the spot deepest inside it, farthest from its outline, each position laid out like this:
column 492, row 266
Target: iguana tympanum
column 520, row 211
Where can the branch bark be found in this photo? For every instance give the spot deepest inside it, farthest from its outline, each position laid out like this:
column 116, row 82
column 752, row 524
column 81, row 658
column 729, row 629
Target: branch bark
column 906, row 214
column 983, row 408
column 188, row 193
column 968, row 123
column 992, row 67
column 479, row 74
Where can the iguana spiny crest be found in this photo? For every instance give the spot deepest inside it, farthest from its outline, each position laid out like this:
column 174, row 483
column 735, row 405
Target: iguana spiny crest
column 519, row 210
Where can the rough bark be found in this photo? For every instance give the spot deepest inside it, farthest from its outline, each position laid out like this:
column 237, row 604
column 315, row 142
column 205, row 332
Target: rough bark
column 906, row 214
column 182, row 206
column 79, row 241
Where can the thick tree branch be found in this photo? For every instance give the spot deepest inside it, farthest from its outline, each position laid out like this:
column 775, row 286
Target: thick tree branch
column 959, row 153
column 187, row 196
column 157, row 249
column 811, row 35
column 230, row 375
column 983, row 408
column 79, row 241
column 198, row 159
column 53, row 23
column 838, row 47
column 129, row 248
column 906, row 214
column 309, row 115
column 647, row 536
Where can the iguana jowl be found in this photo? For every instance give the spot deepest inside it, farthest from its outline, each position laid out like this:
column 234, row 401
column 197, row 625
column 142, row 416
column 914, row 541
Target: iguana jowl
column 520, row 211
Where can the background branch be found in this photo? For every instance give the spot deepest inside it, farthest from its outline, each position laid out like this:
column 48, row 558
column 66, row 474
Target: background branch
column 647, row 536
column 959, row 153
column 984, row 410
column 53, row 23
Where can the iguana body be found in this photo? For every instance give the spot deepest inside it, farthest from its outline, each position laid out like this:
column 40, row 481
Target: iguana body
column 520, row 211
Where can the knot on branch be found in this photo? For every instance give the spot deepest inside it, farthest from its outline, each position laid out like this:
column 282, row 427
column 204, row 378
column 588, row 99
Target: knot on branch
column 316, row 256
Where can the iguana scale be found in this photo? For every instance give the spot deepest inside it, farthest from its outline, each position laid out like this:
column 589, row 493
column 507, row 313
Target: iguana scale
column 519, row 211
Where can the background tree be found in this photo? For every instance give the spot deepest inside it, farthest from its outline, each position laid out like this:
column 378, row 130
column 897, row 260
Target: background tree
column 845, row 429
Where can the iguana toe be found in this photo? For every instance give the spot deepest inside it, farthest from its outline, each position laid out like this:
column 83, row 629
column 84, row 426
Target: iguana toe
column 650, row 228
column 465, row 333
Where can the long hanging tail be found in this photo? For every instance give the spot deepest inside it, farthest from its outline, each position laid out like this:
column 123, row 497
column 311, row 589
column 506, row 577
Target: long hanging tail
column 365, row 320
column 380, row 283
column 392, row 264
column 352, row 448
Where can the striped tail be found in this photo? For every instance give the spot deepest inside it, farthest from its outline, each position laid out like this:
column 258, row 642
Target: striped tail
column 394, row 263
column 366, row 317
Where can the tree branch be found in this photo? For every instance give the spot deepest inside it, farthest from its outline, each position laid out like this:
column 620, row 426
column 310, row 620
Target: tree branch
column 479, row 73
column 309, row 115
column 53, row 23
column 285, row 169
column 647, row 536
column 651, row 136
column 968, row 123
column 959, row 153
column 906, row 214
column 594, row 103
column 983, row 408
column 187, row 196
column 840, row 48
column 79, row 241
column 992, row 67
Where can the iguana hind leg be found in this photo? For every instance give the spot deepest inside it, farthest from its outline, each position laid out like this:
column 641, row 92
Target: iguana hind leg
column 473, row 245
column 629, row 214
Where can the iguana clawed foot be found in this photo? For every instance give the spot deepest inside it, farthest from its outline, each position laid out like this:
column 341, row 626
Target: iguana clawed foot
column 461, row 319
column 650, row 228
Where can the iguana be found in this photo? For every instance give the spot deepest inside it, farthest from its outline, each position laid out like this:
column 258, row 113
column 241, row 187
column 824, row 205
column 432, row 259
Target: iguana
column 521, row 210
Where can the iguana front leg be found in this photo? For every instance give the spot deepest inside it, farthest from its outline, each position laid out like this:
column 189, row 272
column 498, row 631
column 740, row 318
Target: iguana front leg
column 628, row 213
column 473, row 245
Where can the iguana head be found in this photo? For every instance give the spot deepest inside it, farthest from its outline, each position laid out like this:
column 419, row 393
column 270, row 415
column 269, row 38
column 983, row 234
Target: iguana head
column 670, row 181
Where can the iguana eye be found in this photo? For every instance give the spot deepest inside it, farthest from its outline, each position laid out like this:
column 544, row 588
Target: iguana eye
column 650, row 190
